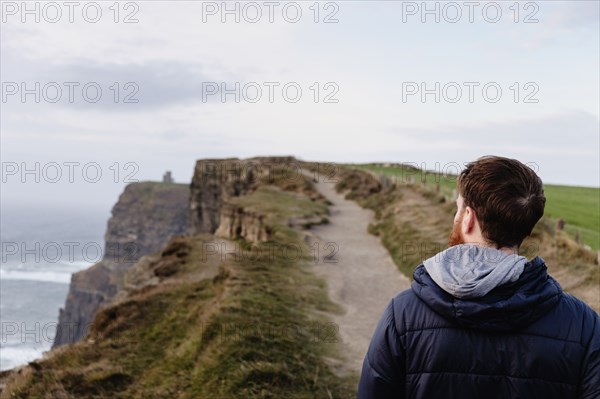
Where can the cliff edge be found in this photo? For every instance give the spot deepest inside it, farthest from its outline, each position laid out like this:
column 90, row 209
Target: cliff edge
column 144, row 218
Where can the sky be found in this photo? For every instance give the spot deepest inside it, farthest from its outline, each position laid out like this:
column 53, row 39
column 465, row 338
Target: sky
column 99, row 94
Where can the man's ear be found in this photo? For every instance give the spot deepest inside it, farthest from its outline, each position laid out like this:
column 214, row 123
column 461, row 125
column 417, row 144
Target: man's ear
column 469, row 220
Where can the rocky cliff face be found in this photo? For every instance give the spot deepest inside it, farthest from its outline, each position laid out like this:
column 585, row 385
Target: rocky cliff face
column 217, row 180
column 146, row 216
column 235, row 221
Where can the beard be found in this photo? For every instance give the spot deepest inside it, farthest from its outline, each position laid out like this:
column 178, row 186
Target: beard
column 456, row 236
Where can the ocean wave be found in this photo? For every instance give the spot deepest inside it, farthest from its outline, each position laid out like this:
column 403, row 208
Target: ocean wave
column 62, row 265
column 12, row 356
column 59, row 272
column 80, row 265
column 30, row 275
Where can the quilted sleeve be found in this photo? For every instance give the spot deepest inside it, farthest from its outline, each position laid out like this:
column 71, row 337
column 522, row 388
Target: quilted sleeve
column 382, row 375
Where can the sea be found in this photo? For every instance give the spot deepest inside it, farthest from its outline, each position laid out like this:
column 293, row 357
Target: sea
column 42, row 246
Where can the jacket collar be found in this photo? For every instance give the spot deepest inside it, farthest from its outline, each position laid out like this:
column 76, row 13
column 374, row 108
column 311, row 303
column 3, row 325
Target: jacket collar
column 507, row 307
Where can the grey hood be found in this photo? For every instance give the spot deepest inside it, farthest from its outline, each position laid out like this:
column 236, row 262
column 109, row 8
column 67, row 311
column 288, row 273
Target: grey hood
column 471, row 271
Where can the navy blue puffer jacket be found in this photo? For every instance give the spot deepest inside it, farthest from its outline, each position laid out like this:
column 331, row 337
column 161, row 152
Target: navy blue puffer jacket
column 524, row 339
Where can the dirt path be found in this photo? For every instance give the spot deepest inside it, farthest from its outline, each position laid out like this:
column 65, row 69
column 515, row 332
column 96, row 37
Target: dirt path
column 364, row 278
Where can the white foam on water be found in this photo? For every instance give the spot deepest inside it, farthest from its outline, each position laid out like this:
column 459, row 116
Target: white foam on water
column 61, row 272
column 48, row 277
column 12, row 356
column 80, row 265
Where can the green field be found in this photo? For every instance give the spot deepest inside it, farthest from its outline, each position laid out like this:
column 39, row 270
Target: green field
column 406, row 173
column 579, row 207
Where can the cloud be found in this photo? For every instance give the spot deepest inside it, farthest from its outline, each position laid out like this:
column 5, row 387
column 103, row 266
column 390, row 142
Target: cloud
column 572, row 14
column 114, row 86
column 559, row 23
column 569, row 131
column 173, row 135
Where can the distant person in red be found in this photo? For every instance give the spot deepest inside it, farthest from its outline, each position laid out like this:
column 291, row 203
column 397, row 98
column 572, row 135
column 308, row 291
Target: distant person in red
column 480, row 321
